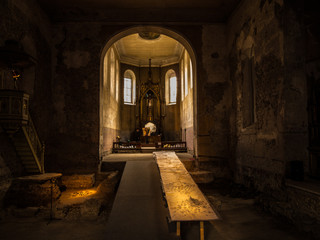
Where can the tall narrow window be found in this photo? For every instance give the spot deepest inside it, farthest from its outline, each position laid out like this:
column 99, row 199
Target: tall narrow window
column 186, row 73
column 129, row 87
column 117, row 80
column 112, row 71
column 191, row 74
column 127, row 90
column 171, row 87
column 182, row 79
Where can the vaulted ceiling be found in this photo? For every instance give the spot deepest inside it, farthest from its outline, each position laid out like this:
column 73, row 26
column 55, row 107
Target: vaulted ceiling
column 162, row 51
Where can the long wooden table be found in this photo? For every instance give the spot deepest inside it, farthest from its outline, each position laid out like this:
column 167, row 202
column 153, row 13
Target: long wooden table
column 185, row 200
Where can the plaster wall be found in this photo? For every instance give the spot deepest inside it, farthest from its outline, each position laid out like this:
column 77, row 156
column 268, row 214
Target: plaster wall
column 130, row 113
column 187, row 101
column 110, row 100
column 171, row 121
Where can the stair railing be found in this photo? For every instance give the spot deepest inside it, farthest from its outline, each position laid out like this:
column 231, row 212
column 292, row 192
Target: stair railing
column 38, row 148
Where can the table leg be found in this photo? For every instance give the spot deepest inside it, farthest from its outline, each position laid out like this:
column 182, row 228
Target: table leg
column 201, row 231
column 178, row 229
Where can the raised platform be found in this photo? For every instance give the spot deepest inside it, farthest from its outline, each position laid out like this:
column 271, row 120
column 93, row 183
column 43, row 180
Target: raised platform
column 138, row 147
column 34, row 190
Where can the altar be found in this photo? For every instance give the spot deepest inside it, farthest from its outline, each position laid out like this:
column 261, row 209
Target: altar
column 151, row 139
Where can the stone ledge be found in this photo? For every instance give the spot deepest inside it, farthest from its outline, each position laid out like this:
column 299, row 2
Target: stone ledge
column 34, row 190
column 310, row 186
column 40, row 177
column 79, row 181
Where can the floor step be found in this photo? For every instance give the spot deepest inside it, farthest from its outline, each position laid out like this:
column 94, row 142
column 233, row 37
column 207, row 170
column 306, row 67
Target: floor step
column 202, row 176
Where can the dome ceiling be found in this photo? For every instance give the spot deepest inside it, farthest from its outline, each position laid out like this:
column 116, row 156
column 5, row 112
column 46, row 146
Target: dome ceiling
column 135, row 50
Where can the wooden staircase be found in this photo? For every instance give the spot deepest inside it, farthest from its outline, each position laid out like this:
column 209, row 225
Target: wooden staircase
column 15, row 119
column 29, row 152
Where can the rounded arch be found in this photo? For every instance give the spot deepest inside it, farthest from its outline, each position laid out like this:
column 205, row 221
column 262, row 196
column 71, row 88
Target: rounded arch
column 170, row 33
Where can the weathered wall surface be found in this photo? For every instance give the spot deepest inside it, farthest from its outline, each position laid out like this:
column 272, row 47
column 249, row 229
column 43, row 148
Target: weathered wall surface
column 25, row 23
column 255, row 32
column 10, row 166
column 277, row 133
column 65, row 85
column 76, row 91
column 74, row 143
column 214, row 98
column 272, row 35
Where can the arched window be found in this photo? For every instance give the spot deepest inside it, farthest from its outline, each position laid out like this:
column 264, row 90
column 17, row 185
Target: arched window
column 129, row 87
column 171, row 87
column 112, row 71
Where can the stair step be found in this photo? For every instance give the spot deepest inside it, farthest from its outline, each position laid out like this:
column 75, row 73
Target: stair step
column 22, row 148
column 26, row 155
column 32, row 169
column 27, row 158
column 29, row 163
column 23, row 151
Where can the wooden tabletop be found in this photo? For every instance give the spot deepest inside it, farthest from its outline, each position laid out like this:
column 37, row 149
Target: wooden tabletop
column 185, row 200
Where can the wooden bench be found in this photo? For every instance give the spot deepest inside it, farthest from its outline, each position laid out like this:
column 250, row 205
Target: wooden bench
column 184, row 199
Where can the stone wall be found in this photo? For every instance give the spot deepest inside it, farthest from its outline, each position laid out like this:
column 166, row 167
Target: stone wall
column 65, row 85
column 85, row 42
column 214, row 97
column 266, row 44
column 255, row 43
column 74, row 143
column 25, row 23
column 298, row 204
column 270, row 117
column 10, row 167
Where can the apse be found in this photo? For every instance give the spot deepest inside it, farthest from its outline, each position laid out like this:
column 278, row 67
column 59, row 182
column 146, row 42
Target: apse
column 147, row 80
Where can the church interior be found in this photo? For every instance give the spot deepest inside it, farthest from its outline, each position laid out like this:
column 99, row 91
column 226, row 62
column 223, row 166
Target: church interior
column 110, row 111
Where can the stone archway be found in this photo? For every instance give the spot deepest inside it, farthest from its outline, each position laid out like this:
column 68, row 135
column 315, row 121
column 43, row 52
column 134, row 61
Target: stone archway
column 176, row 36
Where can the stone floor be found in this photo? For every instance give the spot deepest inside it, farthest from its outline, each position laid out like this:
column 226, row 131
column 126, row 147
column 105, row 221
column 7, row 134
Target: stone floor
column 241, row 220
